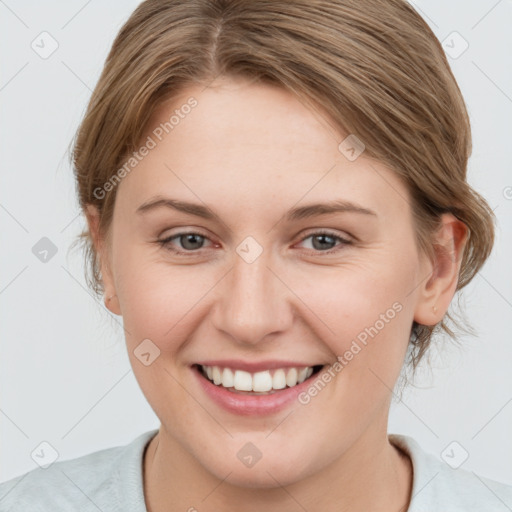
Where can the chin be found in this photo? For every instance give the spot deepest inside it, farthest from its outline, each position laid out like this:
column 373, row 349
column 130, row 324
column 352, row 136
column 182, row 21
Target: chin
column 271, row 471
column 264, row 477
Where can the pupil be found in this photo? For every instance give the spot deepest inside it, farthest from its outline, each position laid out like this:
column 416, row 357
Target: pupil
column 323, row 238
column 191, row 239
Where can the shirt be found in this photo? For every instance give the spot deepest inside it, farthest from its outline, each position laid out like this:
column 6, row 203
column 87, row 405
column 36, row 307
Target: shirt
column 111, row 480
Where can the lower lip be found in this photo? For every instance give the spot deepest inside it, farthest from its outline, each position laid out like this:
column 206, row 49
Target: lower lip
column 251, row 405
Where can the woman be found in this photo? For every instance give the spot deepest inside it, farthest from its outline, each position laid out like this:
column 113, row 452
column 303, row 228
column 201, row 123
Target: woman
column 277, row 207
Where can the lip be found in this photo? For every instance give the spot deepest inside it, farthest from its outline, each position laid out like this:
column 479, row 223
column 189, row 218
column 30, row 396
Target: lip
column 248, row 405
column 253, row 367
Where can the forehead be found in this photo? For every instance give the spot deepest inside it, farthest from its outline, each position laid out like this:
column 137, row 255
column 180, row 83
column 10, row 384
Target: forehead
column 252, row 144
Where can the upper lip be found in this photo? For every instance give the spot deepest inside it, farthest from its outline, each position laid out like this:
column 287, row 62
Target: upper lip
column 253, row 366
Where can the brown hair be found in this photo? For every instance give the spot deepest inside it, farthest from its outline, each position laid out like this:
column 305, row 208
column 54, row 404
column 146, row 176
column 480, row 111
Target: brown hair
column 374, row 65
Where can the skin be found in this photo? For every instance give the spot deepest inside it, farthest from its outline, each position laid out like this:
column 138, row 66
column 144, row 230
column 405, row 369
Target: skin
column 250, row 153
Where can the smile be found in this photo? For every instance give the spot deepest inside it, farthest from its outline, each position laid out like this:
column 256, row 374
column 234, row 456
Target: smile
column 267, row 381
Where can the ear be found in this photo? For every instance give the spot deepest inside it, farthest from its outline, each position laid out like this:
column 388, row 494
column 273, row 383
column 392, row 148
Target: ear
column 102, row 251
column 438, row 289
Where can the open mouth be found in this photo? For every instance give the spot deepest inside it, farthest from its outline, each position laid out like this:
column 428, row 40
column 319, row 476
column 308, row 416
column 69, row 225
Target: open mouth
column 264, row 382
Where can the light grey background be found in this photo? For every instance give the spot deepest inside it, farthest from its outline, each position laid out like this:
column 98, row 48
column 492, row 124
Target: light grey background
column 64, row 374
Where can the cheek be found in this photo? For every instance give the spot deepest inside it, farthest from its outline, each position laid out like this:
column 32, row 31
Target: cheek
column 363, row 313
column 159, row 300
column 364, row 316
column 349, row 300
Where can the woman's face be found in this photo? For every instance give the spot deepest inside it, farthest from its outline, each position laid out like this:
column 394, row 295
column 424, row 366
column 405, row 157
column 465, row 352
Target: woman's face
column 265, row 284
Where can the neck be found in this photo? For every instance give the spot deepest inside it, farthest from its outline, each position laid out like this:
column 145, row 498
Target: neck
column 371, row 475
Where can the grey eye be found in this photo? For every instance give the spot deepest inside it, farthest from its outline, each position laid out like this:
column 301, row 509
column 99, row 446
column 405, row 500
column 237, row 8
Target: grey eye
column 191, row 241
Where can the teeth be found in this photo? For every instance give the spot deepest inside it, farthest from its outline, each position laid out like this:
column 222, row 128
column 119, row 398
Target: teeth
column 217, row 377
column 227, row 378
column 242, row 381
column 262, row 381
column 302, row 375
column 291, row 377
column 279, row 379
column 259, row 382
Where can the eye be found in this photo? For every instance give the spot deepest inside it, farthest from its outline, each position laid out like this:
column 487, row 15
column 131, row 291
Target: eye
column 191, row 242
column 325, row 242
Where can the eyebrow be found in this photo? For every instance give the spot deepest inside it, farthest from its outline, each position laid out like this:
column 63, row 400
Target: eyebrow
column 298, row 213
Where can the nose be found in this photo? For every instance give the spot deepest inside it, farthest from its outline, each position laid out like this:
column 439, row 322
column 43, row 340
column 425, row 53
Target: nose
column 253, row 302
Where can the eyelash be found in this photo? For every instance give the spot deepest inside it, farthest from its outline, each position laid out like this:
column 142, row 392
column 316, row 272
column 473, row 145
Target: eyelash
column 166, row 242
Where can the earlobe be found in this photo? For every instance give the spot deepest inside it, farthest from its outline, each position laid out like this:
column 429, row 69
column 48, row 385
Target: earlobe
column 438, row 289
column 100, row 246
